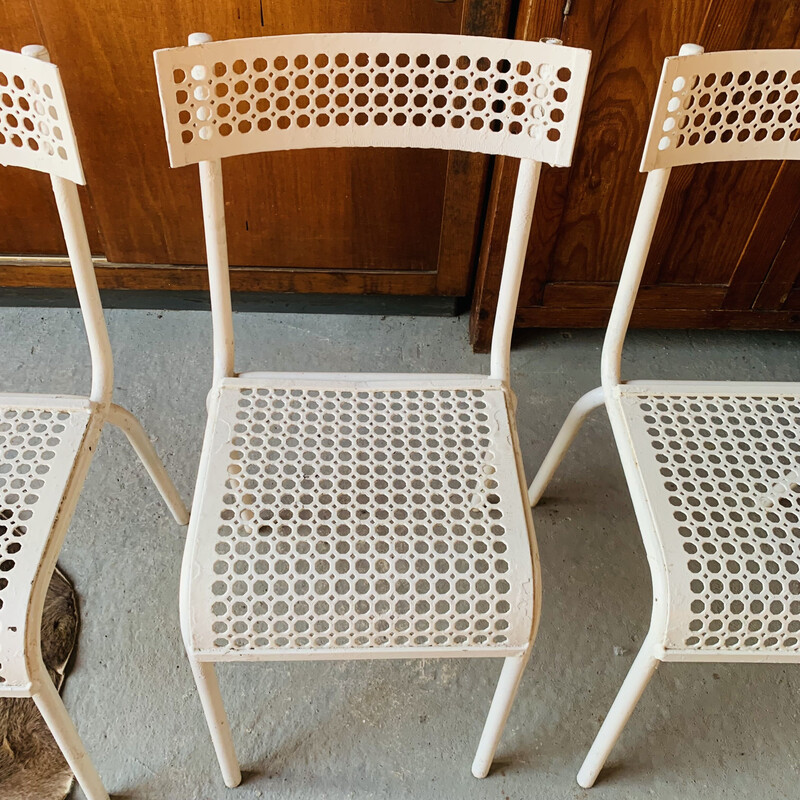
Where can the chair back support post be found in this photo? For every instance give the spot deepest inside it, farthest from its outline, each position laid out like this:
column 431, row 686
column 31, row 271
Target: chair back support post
column 218, row 275
column 216, row 238
column 643, row 230
column 513, row 266
column 80, row 259
column 632, row 269
column 276, row 93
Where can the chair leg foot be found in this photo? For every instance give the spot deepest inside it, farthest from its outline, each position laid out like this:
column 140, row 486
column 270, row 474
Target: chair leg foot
column 208, row 688
column 51, row 706
column 642, row 669
column 132, row 428
column 503, row 699
column 569, row 430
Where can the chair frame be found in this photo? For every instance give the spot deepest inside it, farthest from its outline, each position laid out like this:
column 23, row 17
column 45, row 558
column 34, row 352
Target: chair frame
column 208, row 154
column 20, row 618
column 665, row 148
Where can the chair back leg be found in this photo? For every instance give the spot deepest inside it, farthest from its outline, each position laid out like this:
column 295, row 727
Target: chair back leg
column 132, row 428
column 569, row 430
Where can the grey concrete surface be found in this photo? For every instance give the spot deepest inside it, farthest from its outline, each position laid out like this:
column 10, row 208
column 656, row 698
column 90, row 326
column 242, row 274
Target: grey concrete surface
column 401, row 729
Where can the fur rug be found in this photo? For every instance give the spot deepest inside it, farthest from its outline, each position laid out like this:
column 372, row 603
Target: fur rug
column 31, row 765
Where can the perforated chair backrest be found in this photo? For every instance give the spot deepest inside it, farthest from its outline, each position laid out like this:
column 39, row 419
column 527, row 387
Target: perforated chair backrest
column 476, row 94
column 35, row 126
column 728, row 106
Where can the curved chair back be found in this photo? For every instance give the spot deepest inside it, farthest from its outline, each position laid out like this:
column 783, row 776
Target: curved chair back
column 35, row 126
column 371, row 90
column 477, row 94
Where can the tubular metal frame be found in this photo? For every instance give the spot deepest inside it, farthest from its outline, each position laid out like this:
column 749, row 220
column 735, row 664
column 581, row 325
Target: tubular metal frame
column 686, row 624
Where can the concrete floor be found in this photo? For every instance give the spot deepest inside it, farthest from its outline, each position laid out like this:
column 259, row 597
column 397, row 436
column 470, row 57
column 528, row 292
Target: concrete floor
column 404, row 729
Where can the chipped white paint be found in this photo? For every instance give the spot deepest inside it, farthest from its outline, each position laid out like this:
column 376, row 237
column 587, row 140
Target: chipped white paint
column 47, row 441
column 363, row 516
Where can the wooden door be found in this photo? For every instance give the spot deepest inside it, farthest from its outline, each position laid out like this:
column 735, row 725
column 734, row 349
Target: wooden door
column 725, row 250
column 361, row 221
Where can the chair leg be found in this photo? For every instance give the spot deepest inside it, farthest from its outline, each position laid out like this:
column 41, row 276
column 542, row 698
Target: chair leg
column 126, row 422
column 208, row 688
column 51, row 706
column 642, row 669
column 569, row 430
column 503, row 699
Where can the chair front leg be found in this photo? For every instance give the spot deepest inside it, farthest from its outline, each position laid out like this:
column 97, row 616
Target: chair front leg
column 51, row 707
column 503, row 699
column 205, row 677
column 642, row 669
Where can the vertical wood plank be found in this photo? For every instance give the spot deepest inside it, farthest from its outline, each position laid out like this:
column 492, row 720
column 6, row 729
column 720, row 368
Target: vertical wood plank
column 783, row 276
column 605, row 186
column 712, row 212
column 467, row 173
column 755, row 265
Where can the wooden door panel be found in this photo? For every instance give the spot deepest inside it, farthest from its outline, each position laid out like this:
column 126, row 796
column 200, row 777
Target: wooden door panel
column 361, row 209
column 308, row 209
column 714, row 210
column 721, row 225
column 780, row 289
column 27, row 208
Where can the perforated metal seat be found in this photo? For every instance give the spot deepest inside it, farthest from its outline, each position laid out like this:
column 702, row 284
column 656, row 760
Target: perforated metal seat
column 712, row 467
column 357, row 515
column 363, row 516
column 40, row 438
column 720, row 467
column 47, row 441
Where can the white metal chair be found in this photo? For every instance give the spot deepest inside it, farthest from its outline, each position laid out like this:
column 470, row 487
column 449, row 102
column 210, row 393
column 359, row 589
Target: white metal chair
column 362, row 515
column 47, row 441
column 713, row 468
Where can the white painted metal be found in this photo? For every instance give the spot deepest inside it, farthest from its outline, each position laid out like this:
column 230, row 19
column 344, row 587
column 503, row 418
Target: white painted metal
column 468, row 93
column 569, row 430
column 40, row 438
column 357, row 518
column 47, row 441
column 642, row 669
column 504, row 695
column 712, row 467
column 363, row 515
column 205, row 678
column 727, row 106
column 35, row 126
